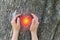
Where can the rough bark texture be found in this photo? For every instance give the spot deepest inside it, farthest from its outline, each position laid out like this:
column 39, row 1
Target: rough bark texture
column 48, row 12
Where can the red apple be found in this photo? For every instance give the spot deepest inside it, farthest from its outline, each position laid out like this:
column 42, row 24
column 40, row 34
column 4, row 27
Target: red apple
column 25, row 20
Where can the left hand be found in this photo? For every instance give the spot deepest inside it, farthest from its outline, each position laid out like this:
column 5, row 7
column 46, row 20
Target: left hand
column 16, row 26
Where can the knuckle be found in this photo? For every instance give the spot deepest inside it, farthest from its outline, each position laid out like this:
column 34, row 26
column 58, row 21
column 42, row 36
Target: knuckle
column 37, row 23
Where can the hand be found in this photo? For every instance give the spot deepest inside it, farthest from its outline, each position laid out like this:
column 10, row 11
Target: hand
column 35, row 23
column 16, row 26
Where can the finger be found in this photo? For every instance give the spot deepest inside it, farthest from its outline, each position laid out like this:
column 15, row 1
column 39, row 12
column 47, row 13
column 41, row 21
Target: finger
column 16, row 16
column 36, row 19
column 34, row 16
column 33, row 22
column 37, row 24
column 14, row 19
column 18, row 21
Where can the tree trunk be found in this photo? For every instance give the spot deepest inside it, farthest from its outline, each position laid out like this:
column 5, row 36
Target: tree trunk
column 48, row 12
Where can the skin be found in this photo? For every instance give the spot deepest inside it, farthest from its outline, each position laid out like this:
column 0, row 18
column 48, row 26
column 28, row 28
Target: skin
column 16, row 27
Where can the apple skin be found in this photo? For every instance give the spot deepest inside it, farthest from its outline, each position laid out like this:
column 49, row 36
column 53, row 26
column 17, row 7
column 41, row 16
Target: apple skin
column 25, row 20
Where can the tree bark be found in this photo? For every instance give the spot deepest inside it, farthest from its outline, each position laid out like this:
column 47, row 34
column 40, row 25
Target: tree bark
column 48, row 12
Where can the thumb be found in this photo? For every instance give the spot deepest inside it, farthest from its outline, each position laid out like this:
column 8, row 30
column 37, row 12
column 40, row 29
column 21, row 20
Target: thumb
column 32, row 23
column 18, row 21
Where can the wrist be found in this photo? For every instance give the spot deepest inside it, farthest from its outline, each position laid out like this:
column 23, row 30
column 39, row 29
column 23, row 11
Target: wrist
column 15, row 31
column 34, row 35
column 33, row 32
column 15, row 35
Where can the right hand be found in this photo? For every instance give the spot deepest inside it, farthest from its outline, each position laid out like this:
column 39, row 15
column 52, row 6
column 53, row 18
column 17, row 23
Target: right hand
column 35, row 23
